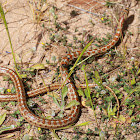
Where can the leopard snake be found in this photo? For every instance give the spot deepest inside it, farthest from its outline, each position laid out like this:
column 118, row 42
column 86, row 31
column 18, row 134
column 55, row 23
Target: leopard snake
column 72, row 94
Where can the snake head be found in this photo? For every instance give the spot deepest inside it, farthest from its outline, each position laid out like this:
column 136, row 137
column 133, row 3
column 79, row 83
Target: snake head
column 125, row 13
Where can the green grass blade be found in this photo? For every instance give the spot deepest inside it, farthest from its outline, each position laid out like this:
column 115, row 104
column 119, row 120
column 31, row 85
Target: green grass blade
column 6, row 27
column 85, row 48
column 2, row 118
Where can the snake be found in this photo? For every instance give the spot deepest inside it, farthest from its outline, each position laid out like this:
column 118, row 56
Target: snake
column 67, row 120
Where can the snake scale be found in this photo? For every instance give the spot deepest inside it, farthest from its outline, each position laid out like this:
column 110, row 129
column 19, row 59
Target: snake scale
column 72, row 94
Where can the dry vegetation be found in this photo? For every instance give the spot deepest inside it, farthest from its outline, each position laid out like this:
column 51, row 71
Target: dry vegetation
column 42, row 32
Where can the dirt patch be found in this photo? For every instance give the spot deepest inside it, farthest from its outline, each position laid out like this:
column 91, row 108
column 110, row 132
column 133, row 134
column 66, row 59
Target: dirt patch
column 44, row 32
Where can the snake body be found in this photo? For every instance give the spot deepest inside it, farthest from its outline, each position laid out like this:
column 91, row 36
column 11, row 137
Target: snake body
column 72, row 94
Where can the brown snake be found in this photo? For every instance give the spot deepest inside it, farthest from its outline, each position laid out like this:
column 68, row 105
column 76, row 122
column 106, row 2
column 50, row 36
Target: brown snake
column 72, row 94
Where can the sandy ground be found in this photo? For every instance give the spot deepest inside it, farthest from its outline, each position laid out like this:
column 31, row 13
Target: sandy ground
column 31, row 41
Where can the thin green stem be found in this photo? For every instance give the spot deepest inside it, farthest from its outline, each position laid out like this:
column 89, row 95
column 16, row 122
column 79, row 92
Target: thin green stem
column 76, row 62
column 90, row 97
column 6, row 27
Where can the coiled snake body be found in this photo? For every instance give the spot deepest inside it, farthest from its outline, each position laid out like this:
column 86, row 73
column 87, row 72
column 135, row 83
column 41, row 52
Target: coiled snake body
column 73, row 115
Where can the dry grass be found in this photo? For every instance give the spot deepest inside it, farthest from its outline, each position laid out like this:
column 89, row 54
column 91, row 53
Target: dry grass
column 42, row 32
